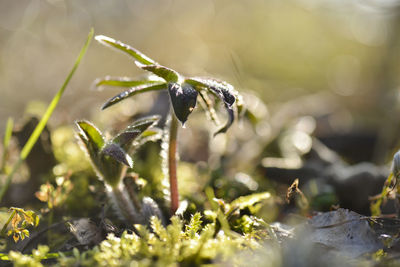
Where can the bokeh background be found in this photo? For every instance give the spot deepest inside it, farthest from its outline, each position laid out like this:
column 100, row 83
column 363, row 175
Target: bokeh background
column 347, row 51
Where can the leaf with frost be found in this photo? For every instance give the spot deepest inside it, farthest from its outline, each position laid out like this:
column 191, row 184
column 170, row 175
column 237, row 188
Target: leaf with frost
column 125, row 139
column 169, row 75
column 133, row 91
column 183, row 98
column 91, row 138
column 144, row 123
column 117, row 153
column 136, row 54
column 223, row 91
column 122, row 82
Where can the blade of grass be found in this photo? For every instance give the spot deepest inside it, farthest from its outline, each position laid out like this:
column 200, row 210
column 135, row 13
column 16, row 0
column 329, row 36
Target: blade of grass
column 6, row 143
column 4, row 229
column 39, row 128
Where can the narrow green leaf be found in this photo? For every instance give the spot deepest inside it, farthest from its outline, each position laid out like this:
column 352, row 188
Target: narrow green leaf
column 8, row 132
column 133, row 91
column 151, row 132
column 144, row 123
column 121, row 82
column 183, row 99
column 136, row 54
column 116, row 152
column 126, row 137
column 169, row 75
column 6, row 143
column 151, row 135
column 42, row 123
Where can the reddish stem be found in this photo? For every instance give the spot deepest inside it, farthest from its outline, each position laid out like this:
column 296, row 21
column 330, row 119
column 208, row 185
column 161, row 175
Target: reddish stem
column 172, row 148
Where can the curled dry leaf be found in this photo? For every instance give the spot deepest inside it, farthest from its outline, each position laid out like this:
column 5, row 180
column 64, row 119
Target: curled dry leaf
column 345, row 231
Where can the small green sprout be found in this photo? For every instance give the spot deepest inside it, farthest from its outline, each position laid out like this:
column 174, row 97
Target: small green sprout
column 183, row 92
column 111, row 159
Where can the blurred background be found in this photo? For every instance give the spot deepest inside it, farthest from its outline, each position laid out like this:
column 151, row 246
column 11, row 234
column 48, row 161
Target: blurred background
column 312, row 72
column 344, row 52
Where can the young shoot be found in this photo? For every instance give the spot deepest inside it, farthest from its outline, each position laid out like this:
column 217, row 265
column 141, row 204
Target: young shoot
column 111, row 159
column 184, row 92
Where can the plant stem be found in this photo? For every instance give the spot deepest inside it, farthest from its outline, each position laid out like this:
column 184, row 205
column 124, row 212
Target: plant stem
column 172, row 147
column 124, row 206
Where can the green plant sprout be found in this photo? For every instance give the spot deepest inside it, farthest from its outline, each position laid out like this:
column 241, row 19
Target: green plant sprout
column 111, row 160
column 42, row 123
column 183, row 92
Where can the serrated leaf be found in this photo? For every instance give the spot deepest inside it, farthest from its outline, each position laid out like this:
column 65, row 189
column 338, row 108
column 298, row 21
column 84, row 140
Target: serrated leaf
column 223, row 91
column 121, row 82
column 136, row 54
column 117, row 153
column 133, row 91
column 183, row 98
column 91, row 134
column 169, row 75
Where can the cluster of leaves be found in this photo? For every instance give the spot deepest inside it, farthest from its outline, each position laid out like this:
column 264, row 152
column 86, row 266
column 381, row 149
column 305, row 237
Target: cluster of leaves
column 20, row 220
column 212, row 237
column 183, row 91
column 109, row 158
